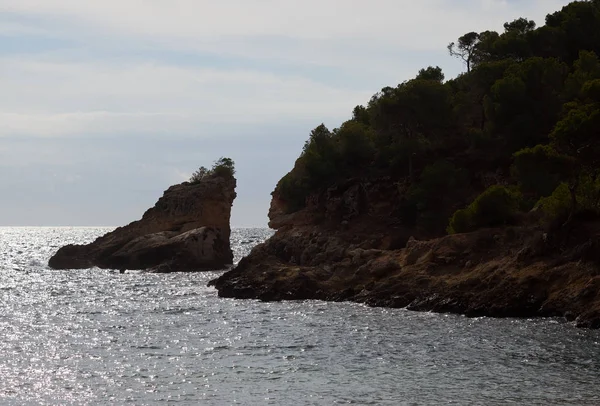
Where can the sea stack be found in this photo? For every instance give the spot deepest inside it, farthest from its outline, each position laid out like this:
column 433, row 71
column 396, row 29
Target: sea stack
column 188, row 229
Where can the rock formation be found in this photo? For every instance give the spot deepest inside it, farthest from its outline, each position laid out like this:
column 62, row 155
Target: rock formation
column 186, row 230
column 346, row 246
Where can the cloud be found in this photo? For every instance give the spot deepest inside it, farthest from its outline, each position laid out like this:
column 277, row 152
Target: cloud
column 47, row 97
column 119, row 99
column 111, row 81
column 410, row 24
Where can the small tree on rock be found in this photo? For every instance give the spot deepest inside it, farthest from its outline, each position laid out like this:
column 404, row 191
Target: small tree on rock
column 200, row 174
column 224, row 167
column 465, row 48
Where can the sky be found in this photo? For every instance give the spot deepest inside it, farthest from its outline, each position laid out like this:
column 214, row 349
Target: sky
column 106, row 103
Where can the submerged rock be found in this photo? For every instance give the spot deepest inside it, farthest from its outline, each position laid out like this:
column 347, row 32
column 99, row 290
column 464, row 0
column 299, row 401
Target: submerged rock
column 186, row 230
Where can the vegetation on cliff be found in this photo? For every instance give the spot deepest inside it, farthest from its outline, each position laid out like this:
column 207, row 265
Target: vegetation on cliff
column 519, row 130
column 222, row 167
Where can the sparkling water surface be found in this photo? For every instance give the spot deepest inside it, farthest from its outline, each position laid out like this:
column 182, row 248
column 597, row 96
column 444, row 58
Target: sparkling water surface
column 99, row 337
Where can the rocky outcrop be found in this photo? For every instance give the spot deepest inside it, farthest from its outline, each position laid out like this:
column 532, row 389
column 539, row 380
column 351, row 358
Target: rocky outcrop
column 346, row 245
column 186, row 230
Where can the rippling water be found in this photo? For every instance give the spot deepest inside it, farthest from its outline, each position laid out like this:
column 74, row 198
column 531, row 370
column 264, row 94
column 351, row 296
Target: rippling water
column 98, row 337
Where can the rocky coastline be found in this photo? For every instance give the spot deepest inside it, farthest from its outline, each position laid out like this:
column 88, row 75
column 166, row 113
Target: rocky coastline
column 346, row 246
column 187, row 230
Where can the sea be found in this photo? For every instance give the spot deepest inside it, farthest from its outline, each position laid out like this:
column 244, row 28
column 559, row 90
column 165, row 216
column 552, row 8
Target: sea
column 97, row 337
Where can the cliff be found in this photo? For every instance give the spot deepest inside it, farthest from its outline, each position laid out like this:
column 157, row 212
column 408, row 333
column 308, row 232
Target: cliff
column 186, row 230
column 346, row 245
column 478, row 195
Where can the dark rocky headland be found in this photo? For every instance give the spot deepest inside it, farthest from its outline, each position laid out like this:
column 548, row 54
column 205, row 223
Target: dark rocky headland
column 516, row 271
column 187, row 230
column 478, row 195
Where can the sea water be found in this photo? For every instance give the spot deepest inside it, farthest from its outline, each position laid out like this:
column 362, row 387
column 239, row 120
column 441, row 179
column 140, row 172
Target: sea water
column 99, row 337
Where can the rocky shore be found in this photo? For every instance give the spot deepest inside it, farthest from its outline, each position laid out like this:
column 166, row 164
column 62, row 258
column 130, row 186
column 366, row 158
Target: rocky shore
column 186, row 230
column 346, row 246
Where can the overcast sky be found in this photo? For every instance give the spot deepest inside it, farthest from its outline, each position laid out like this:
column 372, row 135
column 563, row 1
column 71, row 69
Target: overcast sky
column 105, row 103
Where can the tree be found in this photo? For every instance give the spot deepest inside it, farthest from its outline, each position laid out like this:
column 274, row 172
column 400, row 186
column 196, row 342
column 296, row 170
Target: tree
column 408, row 120
column 465, row 48
column 586, row 68
column 200, row 174
column 487, row 48
column 578, row 21
column 541, row 169
column 361, row 115
column 525, row 104
column 578, row 133
column 319, row 157
column 577, row 136
column 319, row 140
column 519, row 26
column 224, row 167
column 431, row 73
column 496, row 206
column 526, row 112
column 355, row 146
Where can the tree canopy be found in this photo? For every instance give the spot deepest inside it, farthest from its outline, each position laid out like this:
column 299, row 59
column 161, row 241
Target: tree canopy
column 222, row 167
column 519, row 129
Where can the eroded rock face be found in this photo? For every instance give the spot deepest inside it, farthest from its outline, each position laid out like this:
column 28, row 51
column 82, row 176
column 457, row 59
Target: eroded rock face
column 186, row 230
column 346, row 245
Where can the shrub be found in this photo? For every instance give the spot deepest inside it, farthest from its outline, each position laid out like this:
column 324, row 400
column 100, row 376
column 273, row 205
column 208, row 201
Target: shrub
column 559, row 204
column 460, row 222
column 200, row 174
column 494, row 207
column 222, row 167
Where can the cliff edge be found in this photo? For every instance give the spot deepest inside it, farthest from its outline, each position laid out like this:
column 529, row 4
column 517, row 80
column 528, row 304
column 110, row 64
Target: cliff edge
column 187, row 230
column 346, row 245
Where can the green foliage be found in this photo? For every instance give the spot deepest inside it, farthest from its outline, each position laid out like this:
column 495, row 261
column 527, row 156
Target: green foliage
column 526, row 113
column 527, row 101
column 578, row 22
column 222, row 167
column 439, row 186
column 361, row 114
column 355, row 145
column 200, row 174
column 294, row 191
column 405, row 113
column 319, row 157
column 520, row 26
column 465, row 48
column 496, row 206
column 541, row 169
column 591, row 91
column 577, row 135
column 431, row 73
column 559, row 203
column 586, row 68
